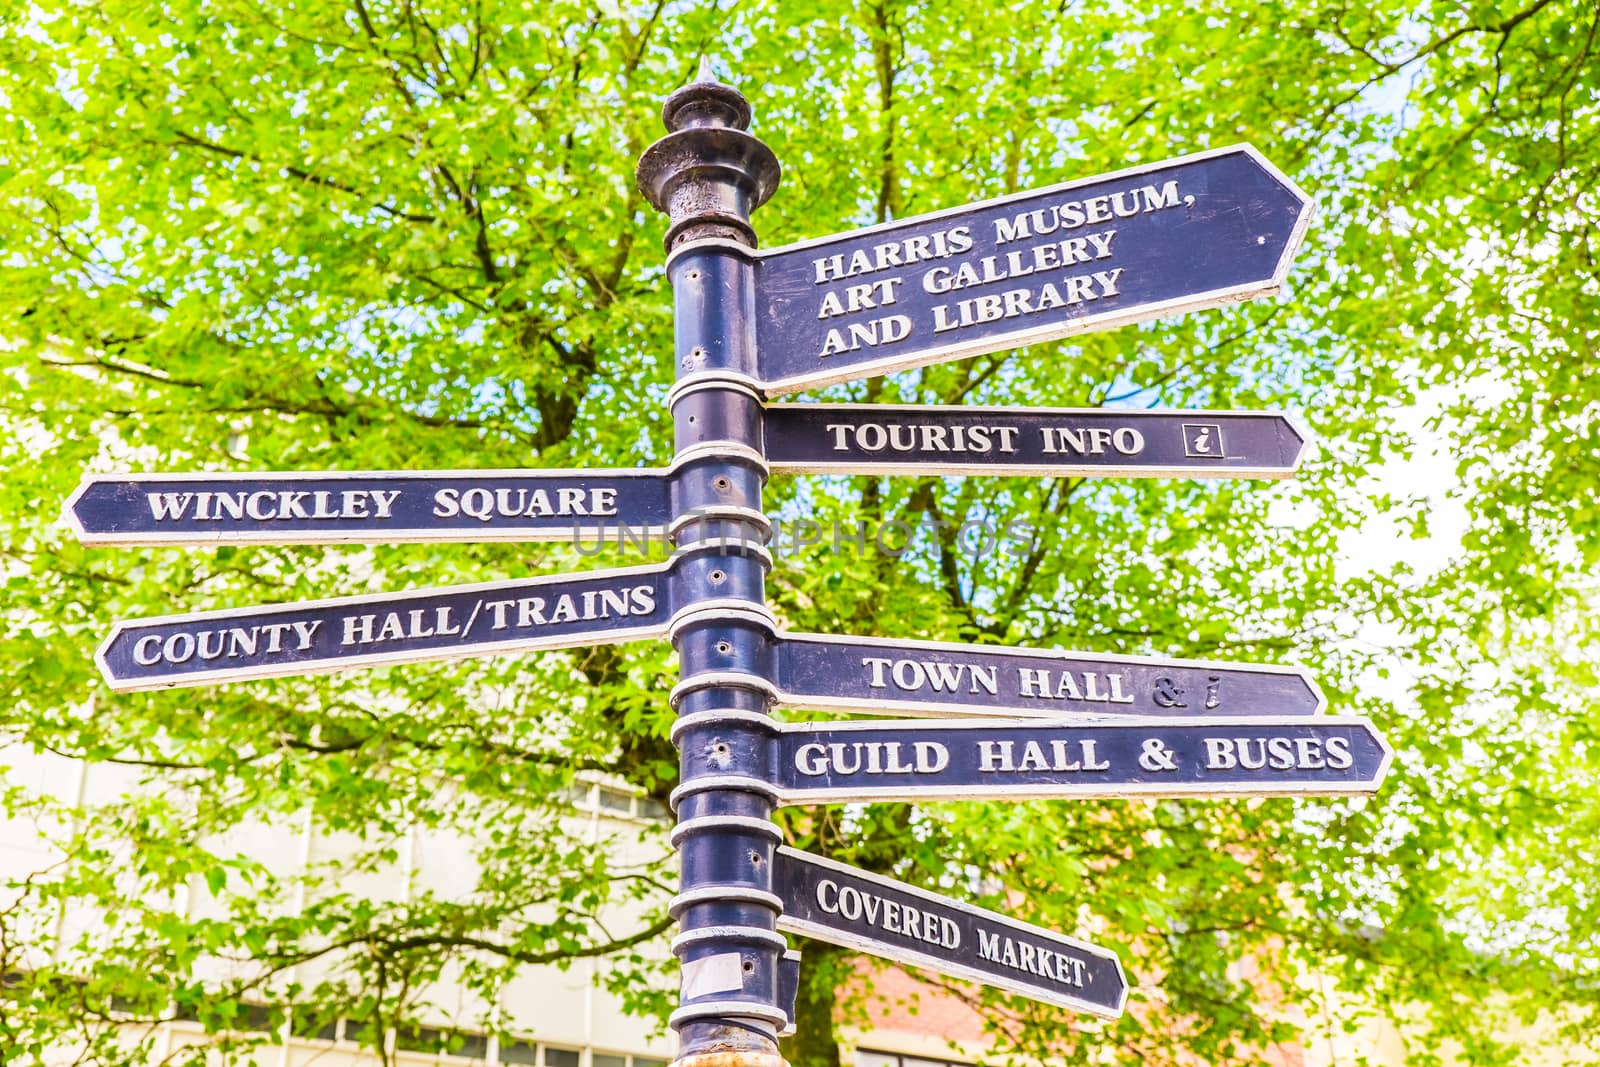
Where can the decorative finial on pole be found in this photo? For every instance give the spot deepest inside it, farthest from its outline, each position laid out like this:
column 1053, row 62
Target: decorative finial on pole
column 708, row 174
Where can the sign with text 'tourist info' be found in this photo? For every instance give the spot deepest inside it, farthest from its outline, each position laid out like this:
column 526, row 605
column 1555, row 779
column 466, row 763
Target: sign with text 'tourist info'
column 1056, row 442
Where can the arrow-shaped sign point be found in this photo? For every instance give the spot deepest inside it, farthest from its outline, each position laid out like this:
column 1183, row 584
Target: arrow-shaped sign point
column 845, row 906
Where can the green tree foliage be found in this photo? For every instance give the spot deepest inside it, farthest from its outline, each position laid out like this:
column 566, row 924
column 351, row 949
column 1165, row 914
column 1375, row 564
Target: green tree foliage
column 368, row 235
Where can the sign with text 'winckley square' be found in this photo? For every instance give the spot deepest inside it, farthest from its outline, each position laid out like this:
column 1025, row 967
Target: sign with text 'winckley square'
column 372, row 507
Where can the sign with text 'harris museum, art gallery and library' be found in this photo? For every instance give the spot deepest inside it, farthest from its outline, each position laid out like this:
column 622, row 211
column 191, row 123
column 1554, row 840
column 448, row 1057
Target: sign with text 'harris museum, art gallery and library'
column 1006, row 723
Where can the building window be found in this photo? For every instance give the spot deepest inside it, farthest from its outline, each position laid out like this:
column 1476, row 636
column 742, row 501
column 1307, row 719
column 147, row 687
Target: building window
column 652, row 810
column 305, row 1024
column 466, row 1046
column 519, row 1051
column 419, row 1039
column 561, row 1057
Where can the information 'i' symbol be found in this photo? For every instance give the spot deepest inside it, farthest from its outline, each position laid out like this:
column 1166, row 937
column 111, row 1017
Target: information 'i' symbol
column 1202, row 440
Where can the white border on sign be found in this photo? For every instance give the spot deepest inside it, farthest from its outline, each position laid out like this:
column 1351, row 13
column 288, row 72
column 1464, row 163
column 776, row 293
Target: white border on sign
column 887, row 703
column 1049, row 331
column 377, row 659
column 989, row 467
column 944, row 965
column 1089, row 790
column 384, row 535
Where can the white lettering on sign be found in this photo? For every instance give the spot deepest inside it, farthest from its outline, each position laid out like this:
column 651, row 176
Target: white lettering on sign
column 921, row 437
column 233, row 642
column 910, row 675
column 398, row 626
column 1063, row 755
column 871, row 757
column 1091, row 440
column 588, row 606
column 1030, row 958
column 1038, row 244
column 1041, row 222
column 273, row 505
column 1278, row 753
column 1074, row 289
column 1043, row 684
column 486, row 505
column 990, row 269
column 859, row 297
column 902, row 253
column 890, row 916
column 867, row 334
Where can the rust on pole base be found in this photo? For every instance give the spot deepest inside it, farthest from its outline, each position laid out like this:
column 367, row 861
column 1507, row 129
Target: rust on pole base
column 732, row 1058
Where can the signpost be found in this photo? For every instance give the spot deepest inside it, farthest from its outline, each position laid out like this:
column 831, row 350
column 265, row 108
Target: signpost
column 1190, row 233
column 1083, row 443
column 866, row 912
column 560, row 611
column 865, row 674
column 375, row 507
column 1207, row 229
column 972, row 760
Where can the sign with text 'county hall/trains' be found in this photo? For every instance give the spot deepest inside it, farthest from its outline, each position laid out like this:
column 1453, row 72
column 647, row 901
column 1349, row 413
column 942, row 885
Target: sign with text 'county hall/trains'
column 372, row 507
column 1057, row 442
column 869, row 913
column 486, row 619
column 890, row 677
column 989, row 760
column 1189, row 233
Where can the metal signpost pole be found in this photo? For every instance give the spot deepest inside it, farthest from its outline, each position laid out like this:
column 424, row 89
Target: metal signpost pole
column 707, row 175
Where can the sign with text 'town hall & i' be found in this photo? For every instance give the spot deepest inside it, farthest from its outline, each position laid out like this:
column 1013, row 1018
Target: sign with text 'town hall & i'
column 879, row 675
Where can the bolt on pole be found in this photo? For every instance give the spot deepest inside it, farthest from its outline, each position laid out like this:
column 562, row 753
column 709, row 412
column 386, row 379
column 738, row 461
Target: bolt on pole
column 708, row 175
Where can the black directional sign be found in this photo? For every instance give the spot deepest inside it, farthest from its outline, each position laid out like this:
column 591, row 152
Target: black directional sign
column 911, row 439
column 845, row 906
column 559, row 611
column 1189, row 233
column 892, row 677
column 371, row 506
column 972, row 760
